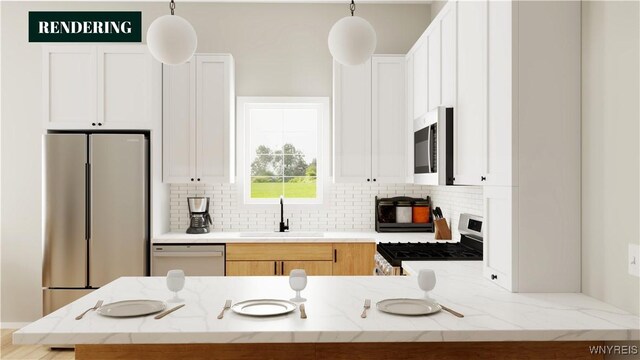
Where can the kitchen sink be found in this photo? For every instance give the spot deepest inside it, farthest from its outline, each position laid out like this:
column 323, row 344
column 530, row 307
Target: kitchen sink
column 288, row 234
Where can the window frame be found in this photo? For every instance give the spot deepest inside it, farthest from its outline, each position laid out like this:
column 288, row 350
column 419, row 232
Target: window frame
column 244, row 156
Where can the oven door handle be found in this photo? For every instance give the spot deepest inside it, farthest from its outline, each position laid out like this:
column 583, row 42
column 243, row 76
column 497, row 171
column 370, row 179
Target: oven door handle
column 188, row 254
column 429, row 149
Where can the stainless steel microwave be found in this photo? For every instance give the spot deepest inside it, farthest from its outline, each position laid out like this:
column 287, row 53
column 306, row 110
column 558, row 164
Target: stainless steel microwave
column 433, row 147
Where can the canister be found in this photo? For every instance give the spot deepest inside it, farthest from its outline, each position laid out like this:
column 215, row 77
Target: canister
column 403, row 212
column 420, row 212
column 386, row 211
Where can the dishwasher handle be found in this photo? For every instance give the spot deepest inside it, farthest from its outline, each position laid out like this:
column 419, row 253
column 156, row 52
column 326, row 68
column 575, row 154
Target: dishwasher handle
column 188, row 253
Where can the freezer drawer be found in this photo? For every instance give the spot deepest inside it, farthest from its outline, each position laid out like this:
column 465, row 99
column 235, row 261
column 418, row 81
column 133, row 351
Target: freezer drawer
column 54, row 299
column 193, row 259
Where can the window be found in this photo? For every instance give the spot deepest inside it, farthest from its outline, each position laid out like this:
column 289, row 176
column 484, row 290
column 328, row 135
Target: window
column 282, row 149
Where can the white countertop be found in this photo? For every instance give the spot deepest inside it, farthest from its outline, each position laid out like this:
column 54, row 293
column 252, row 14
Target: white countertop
column 333, row 308
column 295, row 236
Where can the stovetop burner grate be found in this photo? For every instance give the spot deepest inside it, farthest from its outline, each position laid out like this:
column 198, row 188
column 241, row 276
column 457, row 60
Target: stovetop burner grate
column 395, row 253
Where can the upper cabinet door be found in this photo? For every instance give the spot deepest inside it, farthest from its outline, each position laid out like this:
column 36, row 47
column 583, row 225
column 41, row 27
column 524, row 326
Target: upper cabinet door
column 448, row 45
column 434, row 69
column 179, row 123
column 472, row 92
column 214, row 118
column 409, row 117
column 388, row 125
column 352, row 123
column 420, row 72
column 498, row 156
column 69, row 86
column 127, row 76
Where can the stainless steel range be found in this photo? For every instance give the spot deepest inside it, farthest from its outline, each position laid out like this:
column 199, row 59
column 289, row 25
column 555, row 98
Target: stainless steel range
column 390, row 256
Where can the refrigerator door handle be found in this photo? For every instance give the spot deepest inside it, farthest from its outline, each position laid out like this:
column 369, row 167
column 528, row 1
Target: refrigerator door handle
column 87, row 186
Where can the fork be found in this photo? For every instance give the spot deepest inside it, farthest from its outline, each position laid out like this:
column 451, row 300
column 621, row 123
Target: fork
column 367, row 306
column 227, row 305
column 94, row 308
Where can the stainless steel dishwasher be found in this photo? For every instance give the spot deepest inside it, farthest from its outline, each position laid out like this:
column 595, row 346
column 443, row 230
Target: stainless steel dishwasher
column 193, row 259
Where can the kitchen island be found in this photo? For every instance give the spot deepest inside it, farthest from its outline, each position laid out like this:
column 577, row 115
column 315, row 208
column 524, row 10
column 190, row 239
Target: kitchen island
column 496, row 321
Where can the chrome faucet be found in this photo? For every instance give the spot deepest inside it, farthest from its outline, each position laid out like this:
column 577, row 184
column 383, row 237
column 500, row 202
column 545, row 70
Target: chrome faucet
column 283, row 227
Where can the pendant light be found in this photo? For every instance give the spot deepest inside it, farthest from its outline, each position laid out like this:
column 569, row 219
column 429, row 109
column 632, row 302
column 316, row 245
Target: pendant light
column 171, row 39
column 352, row 40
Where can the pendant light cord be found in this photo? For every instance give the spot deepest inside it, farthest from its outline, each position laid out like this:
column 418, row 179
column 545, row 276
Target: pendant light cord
column 172, row 6
column 352, row 7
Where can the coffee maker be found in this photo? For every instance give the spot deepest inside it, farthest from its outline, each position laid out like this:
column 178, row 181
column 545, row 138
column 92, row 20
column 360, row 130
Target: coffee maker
column 198, row 215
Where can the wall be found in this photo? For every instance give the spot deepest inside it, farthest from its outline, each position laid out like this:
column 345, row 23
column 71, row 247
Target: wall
column 436, row 6
column 350, row 208
column 610, row 151
column 280, row 49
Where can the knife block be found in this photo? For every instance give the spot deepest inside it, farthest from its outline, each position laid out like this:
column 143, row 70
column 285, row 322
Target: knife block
column 442, row 231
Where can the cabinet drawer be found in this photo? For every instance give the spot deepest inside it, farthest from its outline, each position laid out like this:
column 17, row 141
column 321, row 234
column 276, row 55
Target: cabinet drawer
column 278, row 251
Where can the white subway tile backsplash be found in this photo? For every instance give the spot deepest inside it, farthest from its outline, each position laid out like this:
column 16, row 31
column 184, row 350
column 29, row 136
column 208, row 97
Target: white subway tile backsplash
column 350, row 207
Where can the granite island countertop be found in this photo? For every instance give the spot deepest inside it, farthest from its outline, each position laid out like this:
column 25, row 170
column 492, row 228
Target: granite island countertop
column 293, row 236
column 333, row 308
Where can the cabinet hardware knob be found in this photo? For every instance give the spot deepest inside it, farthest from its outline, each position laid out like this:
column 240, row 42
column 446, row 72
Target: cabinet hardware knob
column 483, row 178
column 275, row 268
column 494, row 276
column 191, row 179
column 375, row 179
column 368, row 179
column 198, row 179
column 335, row 255
column 282, row 268
column 93, row 124
column 99, row 124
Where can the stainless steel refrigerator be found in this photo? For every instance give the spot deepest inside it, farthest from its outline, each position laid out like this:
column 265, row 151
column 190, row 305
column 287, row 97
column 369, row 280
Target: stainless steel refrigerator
column 96, row 213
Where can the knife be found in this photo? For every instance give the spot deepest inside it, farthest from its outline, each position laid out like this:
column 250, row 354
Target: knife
column 167, row 312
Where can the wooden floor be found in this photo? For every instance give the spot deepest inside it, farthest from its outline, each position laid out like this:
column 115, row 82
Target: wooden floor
column 29, row 352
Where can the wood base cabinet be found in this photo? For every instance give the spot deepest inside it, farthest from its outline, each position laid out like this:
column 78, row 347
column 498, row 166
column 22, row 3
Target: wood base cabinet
column 277, row 259
column 353, row 258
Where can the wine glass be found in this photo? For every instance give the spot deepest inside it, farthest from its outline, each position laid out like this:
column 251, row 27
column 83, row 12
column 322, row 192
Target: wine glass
column 427, row 281
column 175, row 283
column 298, row 281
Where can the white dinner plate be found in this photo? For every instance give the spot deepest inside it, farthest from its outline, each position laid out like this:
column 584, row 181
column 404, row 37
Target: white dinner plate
column 263, row 307
column 408, row 306
column 130, row 308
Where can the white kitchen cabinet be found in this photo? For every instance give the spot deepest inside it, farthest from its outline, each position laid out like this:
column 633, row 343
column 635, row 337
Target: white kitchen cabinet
column 388, row 128
column 514, row 85
column 420, row 77
column 531, row 146
column 370, row 131
column 471, row 111
column 198, row 121
column 127, row 75
column 99, row 87
column 179, row 123
column 499, row 125
column 500, row 235
column 409, row 117
column 69, row 79
column 215, row 119
column 448, row 59
column 434, row 70
column 352, row 122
